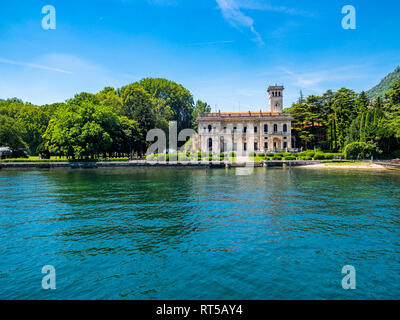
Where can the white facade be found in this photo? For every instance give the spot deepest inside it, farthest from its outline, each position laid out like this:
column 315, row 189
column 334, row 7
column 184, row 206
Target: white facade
column 244, row 132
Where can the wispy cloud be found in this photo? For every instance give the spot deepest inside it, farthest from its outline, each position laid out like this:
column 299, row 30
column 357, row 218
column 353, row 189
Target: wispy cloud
column 265, row 6
column 232, row 13
column 33, row 65
column 314, row 80
column 210, row 43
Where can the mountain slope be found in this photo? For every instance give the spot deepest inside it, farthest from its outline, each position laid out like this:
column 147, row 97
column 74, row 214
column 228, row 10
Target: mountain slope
column 380, row 89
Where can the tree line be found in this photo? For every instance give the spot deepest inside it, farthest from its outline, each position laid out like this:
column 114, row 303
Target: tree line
column 111, row 123
column 345, row 121
column 115, row 122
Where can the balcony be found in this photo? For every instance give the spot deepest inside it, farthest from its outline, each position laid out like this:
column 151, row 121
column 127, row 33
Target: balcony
column 243, row 115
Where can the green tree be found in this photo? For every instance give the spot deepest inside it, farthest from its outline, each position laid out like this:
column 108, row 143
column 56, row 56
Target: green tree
column 137, row 105
column 345, row 112
column 81, row 129
column 178, row 98
column 11, row 136
column 200, row 107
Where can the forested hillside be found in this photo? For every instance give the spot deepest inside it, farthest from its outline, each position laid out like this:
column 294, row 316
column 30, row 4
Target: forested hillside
column 380, row 89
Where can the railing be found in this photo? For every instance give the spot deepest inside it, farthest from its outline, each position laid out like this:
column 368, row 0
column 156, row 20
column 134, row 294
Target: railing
column 241, row 132
column 244, row 115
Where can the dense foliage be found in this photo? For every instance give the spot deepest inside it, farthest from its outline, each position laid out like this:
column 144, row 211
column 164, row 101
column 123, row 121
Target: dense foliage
column 336, row 119
column 111, row 123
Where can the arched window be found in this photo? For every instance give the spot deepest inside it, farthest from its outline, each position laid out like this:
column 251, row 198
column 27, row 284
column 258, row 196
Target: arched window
column 265, row 128
column 209, row 128
column 285, row 128
column 210, row 144
column 275, row 128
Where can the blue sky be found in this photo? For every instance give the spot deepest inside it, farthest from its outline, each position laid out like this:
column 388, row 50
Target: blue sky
column 225, row 52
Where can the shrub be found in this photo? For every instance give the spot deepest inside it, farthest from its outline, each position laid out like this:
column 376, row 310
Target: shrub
column 276, row 157
column 288, row 154
column 183, row 158
column 233, row 154
column 150, row 157
column 329, row 156
column 26, row 160
column 280, row 154
column 262, row 155
column 360, row 150
column 319, row 156
column 252, row 154
column 161, row 157
column 309, row 153
column 308, row 158
column 289, row 158
column 270, row 154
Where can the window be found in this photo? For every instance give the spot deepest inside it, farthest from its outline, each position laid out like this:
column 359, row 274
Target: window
column 210, row 144
column 255, row 129
column 234, row 129
column 234, row 147
column 275, row 128
column 285, row 128
column 284, row 145
column 209, row 128
column 245, row 146
column 255, row 146
column 245, row 130
column 265, row 128
column 266, row 145
column 224, row 129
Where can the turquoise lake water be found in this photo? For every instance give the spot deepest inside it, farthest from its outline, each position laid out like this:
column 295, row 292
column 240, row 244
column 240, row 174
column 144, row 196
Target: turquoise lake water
column 199, row 234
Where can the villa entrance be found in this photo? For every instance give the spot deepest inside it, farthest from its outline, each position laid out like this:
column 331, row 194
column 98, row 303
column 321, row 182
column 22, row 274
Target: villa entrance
column 277, row 144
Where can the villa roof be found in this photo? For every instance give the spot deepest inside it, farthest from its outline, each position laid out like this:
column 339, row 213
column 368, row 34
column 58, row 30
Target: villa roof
column 243, row 115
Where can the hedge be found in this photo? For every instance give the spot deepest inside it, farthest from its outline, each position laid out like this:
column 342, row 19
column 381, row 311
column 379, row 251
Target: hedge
column 359, row 150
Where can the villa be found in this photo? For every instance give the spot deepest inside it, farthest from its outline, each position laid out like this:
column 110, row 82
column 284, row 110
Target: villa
column 245, row 132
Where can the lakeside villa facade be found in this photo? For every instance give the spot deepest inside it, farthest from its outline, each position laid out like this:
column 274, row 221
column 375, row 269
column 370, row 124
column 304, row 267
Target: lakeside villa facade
column 245, row 132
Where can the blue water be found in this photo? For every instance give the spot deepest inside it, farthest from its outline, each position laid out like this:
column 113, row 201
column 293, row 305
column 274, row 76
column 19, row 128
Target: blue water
column 199, row 234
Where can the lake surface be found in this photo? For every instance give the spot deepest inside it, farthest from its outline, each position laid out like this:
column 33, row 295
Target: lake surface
column 199, row 234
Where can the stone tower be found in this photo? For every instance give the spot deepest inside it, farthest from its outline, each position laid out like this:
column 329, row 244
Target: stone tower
column 276, row 98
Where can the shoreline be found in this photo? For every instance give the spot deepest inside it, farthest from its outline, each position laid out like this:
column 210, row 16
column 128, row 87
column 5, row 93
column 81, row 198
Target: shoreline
column 363, row 166
column 307, row 164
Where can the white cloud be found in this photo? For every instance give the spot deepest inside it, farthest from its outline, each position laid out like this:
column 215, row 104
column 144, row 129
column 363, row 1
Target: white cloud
column 232, row 13
column 33, row 65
